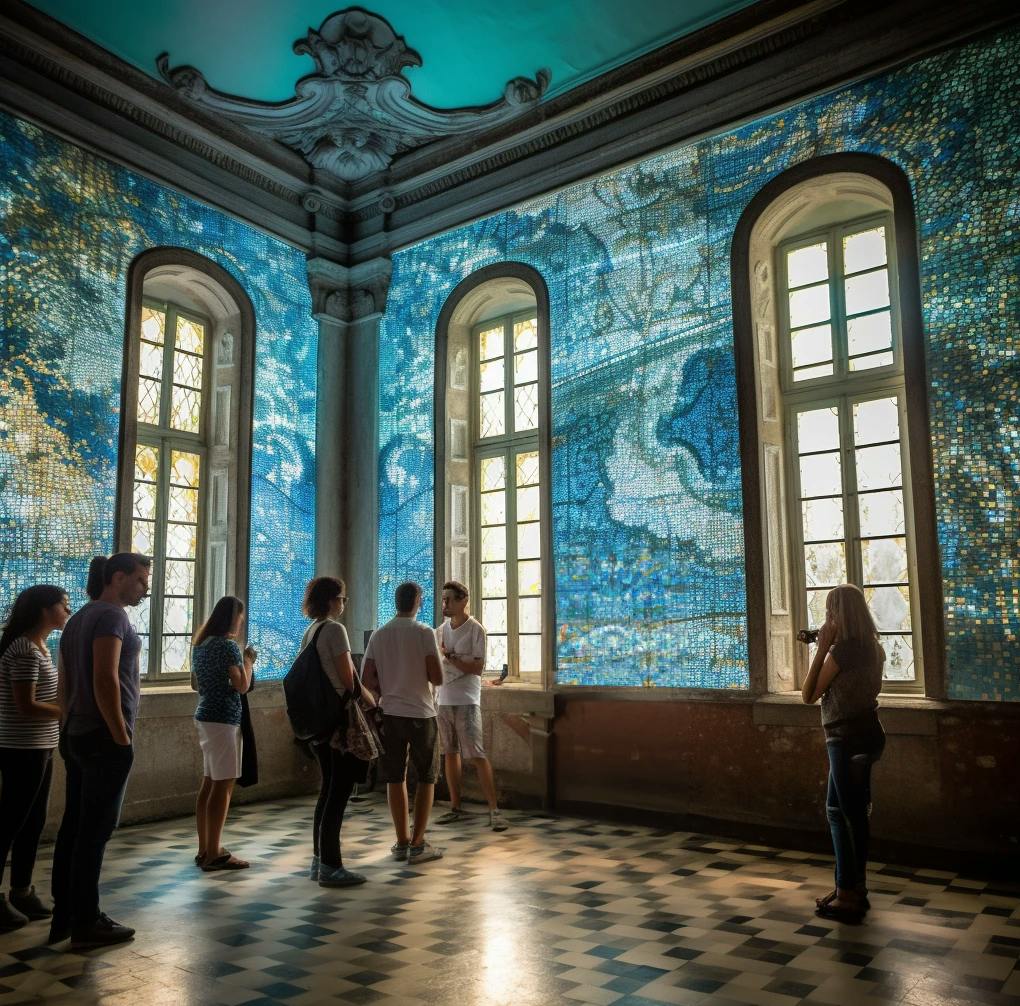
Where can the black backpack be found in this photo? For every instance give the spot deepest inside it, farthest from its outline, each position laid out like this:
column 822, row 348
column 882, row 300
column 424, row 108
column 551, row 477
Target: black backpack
column 313, row 705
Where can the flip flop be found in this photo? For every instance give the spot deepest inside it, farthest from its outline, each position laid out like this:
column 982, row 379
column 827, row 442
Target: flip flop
column 224, row 861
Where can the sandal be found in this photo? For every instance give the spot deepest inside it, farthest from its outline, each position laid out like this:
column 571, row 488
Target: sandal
column 224, row 861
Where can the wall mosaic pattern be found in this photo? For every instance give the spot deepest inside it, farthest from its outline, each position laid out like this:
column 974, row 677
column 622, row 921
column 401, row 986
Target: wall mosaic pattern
column 71, row 225
column 647, row 535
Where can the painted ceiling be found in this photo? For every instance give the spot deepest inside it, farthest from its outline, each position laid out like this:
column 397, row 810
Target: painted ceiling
column 469, row 48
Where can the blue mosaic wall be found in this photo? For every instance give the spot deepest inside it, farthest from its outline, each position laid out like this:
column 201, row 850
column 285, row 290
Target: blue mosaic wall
column 647, row 536
column 70, row 225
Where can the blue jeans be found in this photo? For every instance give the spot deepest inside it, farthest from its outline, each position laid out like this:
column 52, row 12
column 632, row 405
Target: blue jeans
column 97, row 773
column 848, row 803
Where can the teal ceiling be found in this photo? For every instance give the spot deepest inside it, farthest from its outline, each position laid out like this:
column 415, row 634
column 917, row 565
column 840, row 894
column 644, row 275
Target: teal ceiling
column 469, row 48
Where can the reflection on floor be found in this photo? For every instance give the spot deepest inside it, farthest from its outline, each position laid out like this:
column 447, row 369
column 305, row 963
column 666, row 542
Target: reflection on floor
column 556, row 910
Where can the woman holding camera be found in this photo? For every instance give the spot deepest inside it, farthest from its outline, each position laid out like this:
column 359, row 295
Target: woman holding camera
column 222, row 674
column 846, row 674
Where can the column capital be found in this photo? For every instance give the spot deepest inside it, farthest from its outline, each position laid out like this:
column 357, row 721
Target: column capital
column 345, row 295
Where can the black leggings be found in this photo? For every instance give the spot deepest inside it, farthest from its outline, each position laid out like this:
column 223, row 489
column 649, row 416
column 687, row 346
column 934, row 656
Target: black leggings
column 340, row 773
column 27, row 773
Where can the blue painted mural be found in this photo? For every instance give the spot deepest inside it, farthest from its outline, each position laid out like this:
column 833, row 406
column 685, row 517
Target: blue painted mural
column 70, row 225
column 647, row 537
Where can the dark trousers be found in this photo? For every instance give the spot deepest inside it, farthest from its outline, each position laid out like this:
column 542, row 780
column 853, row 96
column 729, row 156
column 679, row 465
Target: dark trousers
column 27, row 773
column 340, row 773
column 848, row 803
column 97, row 773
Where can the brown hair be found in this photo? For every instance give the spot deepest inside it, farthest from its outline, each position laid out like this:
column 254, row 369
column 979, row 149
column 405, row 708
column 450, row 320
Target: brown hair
column 320, row 593
column 847, row 609
column 459, row 590
column 405, row 595
column 220, row 620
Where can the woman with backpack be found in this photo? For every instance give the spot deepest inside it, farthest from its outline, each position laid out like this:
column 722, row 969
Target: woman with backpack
column 324, row 601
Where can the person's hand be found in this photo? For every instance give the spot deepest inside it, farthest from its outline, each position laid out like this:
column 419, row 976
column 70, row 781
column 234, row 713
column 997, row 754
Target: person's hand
column 826, row 636
column 250, row 653
column 442, row 649
column 494, row 682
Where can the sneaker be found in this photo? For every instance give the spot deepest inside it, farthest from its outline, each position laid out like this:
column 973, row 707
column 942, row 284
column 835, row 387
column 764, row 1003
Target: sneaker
column 423, row 853
column 10, row 917
column 453, row 816
column 30, row 905
column 399, row 852
column 497, row 822
column 313, row 870
column 339, row 877
column 102, row 933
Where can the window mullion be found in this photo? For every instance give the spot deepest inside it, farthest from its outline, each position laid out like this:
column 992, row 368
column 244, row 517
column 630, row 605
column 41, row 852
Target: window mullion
column 512, row 605
column 837, row 301
column 167, row 384
column 159, row 561
column 851, row 516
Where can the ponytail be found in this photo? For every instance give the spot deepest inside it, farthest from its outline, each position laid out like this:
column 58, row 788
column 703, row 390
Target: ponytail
column 102, row 570
column 94, row 583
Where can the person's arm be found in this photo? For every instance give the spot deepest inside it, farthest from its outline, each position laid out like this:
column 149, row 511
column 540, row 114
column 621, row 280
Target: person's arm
column 370, row 676
column 467, row 665
column 24, row 676
column 61, row 686
column 106, row 686
column 240, row 674
column 823, row 667
column 433, row 669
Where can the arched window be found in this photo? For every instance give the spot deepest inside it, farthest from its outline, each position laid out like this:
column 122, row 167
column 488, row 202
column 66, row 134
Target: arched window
column 185, row 446
column 493, row 518
column 841, row 463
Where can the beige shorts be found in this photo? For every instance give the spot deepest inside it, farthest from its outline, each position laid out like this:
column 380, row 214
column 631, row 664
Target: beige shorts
column 460, row 731
column 221, row 750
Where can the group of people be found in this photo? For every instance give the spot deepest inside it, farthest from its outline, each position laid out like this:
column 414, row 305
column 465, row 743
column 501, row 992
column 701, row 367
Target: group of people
column 422, row 687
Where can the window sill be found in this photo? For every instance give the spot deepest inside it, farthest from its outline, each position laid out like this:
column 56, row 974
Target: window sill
column 900, row 714
column 175, row 700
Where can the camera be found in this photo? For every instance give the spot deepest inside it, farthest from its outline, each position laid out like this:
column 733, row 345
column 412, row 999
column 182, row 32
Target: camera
column 808, row 635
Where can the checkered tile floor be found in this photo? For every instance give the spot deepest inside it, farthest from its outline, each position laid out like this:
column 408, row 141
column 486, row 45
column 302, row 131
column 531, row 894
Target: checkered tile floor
column 556, row 910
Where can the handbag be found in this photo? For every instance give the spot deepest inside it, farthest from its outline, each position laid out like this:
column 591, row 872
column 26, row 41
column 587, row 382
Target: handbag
column 360, row 737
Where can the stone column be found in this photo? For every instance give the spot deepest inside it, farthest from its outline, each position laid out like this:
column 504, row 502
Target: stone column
column 348, row 303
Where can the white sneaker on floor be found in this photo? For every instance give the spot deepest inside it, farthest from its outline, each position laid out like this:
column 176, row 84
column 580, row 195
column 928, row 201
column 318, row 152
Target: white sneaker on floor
column 423, row 853
column 497, row 822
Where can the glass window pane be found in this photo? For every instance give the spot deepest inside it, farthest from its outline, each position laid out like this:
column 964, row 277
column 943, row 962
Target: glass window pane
column 177, row 615
column 181, row 540
column 527, row 468
column 183, row 505
column 890, row 607
column 864, row 250
column 150, row 361
column 525, row 368
column 823, row 519
column 493, row 579
column 529, row 541
column 899, row 658
column 190, row 336
column 876, row 421
column 825, row 565
column 144, row 501
column 180, row 577
column 185, row 409
column 884, row 560
column 872, row 361
column 530, row 614
column 176, row 655
column 494, row 507
column 881, row 513
column 816, row 608
column 820, row 475
column 188, row 370
column 184, row 468
column 526, row 408
column 490, row 342
column 807, row 265
column 495, row 652
column 530, row 648
column 491, row 415
column 493, row 473
column 493, row 544
column 146, row 463
column 153, row 325
column 818, row 430
column 148, row 401
column 867, row 292
column 138, row 616
column 869, row 333
column 490, row 376
column 529, row 577
column 879, row 467
column 143, row 537
column 525, row 334
column 528, row 504
column 494, row 616
column 811, row 345
column 810, row 373
column 809, row 306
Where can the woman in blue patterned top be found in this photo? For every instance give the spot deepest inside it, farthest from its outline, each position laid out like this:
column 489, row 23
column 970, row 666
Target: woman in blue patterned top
column 222, row 674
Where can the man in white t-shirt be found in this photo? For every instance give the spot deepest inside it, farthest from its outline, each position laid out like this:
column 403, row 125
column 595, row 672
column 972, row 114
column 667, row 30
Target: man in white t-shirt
column 401, row 665
column 462, row 644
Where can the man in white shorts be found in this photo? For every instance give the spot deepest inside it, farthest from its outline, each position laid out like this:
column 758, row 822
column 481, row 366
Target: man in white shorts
column 462, row 645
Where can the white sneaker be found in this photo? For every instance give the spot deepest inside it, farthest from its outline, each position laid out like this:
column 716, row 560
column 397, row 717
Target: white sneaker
column 497, row 822
column 423, row 853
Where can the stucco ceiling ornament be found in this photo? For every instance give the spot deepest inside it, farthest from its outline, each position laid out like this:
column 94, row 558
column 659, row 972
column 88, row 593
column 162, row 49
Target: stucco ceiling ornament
column 357, row 113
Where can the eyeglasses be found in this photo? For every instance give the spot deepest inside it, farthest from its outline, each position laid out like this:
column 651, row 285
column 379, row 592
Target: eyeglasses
column 342, row 598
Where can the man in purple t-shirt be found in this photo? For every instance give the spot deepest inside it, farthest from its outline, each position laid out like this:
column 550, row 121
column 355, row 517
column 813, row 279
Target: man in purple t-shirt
column 99, row 686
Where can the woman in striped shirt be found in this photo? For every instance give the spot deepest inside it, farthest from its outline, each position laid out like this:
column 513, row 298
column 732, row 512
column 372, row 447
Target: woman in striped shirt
column 29, row 724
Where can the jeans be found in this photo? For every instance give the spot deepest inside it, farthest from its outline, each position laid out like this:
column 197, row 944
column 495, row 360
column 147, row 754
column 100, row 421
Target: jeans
column 340, row 773
column 97, row 774
column 27, row 773
column 848, row 803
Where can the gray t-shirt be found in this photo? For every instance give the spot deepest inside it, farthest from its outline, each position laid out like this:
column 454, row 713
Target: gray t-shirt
column 97, row 620
column 853, row 694
column 332, row 643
